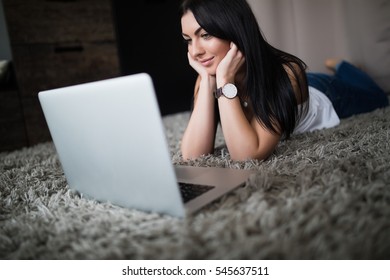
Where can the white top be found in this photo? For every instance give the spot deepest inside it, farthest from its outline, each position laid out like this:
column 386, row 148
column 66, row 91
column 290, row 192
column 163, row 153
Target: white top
column 320, row 114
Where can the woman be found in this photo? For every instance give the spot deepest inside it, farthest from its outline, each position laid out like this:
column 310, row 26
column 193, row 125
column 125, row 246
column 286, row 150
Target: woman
column 257, row 92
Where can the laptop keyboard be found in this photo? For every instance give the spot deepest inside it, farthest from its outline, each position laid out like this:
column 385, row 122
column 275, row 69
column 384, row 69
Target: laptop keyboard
column 191, row 191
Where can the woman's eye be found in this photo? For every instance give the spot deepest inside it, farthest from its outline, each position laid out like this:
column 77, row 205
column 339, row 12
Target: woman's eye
column 205, row 36
column 187, row 41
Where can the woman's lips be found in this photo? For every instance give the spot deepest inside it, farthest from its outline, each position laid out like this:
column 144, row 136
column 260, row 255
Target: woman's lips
column 206, row 62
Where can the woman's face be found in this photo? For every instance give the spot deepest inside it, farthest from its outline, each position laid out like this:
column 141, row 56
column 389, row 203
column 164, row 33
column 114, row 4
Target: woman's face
column 203, row 48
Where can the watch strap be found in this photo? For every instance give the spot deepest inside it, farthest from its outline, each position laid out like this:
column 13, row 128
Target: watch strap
column 218, row 92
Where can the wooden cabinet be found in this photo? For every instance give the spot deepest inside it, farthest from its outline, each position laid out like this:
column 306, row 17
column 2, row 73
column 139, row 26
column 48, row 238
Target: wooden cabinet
column 54, row 21
column 58, row 43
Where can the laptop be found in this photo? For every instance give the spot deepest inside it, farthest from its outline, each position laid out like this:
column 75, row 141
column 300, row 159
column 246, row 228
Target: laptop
column 111, row 142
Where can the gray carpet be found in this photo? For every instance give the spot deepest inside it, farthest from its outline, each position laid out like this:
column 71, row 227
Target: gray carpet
column 322, row 195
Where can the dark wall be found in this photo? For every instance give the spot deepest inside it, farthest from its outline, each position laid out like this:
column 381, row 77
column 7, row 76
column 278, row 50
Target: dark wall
column 149, row 40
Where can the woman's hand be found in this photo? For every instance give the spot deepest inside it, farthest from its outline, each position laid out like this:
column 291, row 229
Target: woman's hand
column 197, row 66
column 229, row 66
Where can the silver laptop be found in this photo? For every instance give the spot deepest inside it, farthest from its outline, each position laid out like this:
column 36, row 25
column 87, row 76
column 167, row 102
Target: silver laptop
column 111, row 142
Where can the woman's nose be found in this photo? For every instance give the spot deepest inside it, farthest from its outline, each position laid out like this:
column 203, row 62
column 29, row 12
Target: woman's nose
column 196, row 49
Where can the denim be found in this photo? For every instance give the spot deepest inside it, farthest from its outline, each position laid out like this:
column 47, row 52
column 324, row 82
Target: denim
column 350, row 90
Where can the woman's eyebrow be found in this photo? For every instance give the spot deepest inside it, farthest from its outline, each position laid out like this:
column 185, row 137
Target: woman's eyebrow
column 197, row 31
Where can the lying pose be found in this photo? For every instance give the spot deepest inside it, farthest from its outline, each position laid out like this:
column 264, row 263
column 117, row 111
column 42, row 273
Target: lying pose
column 258, row 93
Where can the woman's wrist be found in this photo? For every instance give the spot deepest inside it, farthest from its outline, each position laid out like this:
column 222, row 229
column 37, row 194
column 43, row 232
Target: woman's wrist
column 208, row 82
column 220, row 82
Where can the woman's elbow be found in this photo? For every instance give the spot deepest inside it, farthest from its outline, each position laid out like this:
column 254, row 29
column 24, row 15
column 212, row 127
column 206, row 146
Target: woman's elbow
column 185, row 153
column 190, row 154
column 254, row 154
column 247, row 157
column 187, row 156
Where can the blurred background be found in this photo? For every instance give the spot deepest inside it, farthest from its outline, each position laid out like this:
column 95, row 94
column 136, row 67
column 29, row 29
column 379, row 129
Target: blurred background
column 46, row 44
column 314, row 30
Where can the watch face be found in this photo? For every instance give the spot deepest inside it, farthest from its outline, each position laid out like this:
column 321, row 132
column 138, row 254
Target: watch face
column 229, row 90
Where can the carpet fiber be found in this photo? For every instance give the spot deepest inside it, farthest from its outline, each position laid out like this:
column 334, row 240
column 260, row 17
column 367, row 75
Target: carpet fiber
column 321, row 195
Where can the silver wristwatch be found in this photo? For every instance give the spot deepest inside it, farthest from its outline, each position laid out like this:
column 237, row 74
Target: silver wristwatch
column 228, row 90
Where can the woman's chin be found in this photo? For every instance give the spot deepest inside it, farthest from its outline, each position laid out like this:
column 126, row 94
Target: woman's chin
column 212, row 72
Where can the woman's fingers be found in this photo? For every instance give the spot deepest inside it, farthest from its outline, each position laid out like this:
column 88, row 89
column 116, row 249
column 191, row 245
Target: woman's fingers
column 230, row 65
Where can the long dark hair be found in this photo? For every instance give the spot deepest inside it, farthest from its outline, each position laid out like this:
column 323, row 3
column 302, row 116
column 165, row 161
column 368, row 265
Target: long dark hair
column 268, row 85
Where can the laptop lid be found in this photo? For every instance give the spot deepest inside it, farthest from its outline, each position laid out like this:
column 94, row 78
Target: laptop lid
column 111, row 143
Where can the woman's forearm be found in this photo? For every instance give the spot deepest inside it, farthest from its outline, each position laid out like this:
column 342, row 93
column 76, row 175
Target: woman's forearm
column 199, row 136
column 244, row 139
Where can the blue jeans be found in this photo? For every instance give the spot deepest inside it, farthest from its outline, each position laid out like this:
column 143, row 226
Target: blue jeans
column 350, row 90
